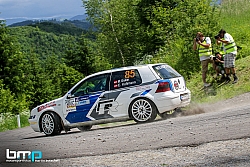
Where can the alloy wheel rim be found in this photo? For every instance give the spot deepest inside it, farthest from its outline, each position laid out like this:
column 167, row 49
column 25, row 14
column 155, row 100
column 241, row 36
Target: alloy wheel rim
column 47, row 124
column 141, row 110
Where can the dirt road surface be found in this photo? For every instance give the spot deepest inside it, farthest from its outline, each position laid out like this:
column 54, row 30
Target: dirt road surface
column 206, row 135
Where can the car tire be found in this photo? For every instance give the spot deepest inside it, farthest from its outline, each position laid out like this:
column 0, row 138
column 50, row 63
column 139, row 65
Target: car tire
column 84, row 128
column 142, row 110
column 51, row 124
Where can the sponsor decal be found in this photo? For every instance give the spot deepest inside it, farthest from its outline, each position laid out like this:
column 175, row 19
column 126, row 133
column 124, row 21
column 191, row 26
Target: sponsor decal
column 123, row 83
column 70, row 105
column 161, row 67
column 105, row 107
column 176, row 85
column 128, row 83
column 70, row 109
column 50, row 104
column 83, row 102
column 117, row 83
column 141, row 88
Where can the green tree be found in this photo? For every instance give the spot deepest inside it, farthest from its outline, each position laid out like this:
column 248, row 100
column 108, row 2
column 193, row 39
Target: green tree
column 77, row 56
column 12, row 62
column 43, row 75
column 119, row 32
column 129, row 31
column 94, row 50
column 40, row 88
column 47, row 79
column 6, row 99
column 10, row 103
column 62, row 76
column 146, row 11
column 12, row 74
column 172, row 25
column 44, row 44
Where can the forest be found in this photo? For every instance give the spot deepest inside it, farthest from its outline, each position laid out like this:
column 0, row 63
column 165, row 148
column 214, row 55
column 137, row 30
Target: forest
column 42, row 61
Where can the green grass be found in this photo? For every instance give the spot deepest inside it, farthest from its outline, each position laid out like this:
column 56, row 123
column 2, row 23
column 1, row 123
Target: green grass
column 215, row 93
column 8, row 121
column 235, row 16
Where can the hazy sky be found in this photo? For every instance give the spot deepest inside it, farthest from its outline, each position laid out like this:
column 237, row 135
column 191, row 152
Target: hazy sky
column 36, row 9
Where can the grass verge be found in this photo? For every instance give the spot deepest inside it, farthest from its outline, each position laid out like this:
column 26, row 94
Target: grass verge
column 220, row 92
column 9, row 121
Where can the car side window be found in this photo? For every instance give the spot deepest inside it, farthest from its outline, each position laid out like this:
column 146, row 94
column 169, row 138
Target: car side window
column 125, row 78
column 92, row 85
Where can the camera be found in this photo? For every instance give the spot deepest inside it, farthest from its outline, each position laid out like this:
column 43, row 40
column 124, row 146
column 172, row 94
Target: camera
column 217, row 36
column 215, row 57
column 197, row 39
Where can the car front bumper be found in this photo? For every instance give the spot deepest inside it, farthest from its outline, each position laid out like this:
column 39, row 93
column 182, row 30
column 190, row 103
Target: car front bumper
column 34, row 124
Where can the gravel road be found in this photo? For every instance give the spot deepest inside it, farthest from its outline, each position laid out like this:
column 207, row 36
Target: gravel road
column 222, row 153
column 206, row 135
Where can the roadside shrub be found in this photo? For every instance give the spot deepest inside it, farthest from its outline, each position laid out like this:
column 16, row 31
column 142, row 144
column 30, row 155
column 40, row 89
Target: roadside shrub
column 8, row 121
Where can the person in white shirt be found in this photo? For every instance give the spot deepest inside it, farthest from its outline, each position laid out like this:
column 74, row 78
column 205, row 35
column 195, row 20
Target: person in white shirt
column 231, row 51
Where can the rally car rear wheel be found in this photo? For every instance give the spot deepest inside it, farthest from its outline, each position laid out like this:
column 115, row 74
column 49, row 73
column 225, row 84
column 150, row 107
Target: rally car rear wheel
column 143, row 110
column 51, row 124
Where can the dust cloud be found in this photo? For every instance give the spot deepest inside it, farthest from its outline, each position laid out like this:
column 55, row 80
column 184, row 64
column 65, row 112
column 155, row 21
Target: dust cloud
column 193, row 111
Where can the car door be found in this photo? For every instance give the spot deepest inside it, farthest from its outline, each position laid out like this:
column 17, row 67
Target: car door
column 83, row 102
column 123, row 86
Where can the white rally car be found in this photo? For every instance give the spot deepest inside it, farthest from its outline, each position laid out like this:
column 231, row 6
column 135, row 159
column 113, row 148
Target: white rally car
column 136, row 92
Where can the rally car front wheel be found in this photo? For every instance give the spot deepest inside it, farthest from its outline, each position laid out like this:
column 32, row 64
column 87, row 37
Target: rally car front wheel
column 51, row 124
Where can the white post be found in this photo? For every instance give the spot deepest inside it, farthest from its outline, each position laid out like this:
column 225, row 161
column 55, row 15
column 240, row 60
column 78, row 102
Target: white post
column 18, row 121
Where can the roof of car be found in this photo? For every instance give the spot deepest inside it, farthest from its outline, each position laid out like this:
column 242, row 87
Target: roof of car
column 126, row 68
column 119, row 69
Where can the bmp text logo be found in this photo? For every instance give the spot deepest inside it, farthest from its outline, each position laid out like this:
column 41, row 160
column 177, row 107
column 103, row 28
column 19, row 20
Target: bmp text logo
column 25, row 155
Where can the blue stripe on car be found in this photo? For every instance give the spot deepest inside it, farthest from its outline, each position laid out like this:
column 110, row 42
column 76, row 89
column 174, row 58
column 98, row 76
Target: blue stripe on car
column 80, row 115
column 145, row 92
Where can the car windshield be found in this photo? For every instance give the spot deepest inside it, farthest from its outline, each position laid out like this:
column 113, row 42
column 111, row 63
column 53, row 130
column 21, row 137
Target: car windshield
column 165, row 71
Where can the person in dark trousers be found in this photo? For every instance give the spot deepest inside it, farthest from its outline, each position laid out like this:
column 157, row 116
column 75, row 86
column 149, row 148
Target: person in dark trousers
column 219, row 65
column 230, row 53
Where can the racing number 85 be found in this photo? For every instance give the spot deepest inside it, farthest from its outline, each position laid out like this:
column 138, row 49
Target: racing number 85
column 130, row 74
